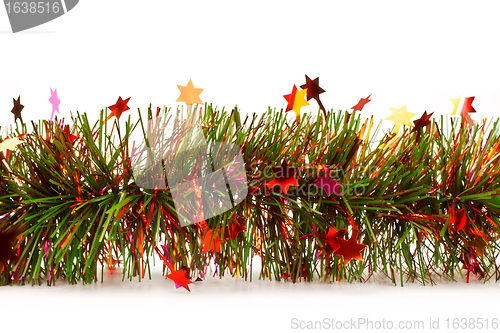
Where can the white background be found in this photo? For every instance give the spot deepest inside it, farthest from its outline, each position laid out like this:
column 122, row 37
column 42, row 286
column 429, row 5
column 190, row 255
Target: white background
column 251, row 53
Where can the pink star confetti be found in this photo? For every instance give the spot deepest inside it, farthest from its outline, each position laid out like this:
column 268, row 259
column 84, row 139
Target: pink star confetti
column 55, row 102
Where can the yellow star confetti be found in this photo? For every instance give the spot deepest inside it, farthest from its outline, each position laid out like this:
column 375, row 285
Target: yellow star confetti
column 10, row 143
column 400, row 117
column 455, row 102
column 189, row 94
column 299, row 101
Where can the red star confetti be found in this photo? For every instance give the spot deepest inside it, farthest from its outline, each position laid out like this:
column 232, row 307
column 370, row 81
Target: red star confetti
column 234, row 229
column 211, row 241
column 71, row 137
column 332, row 239
column 296, row 100
column 284, row 176
column 362, row 102
column 467, row 107
column 118, row 108
column 458, row 219
column 180, row 279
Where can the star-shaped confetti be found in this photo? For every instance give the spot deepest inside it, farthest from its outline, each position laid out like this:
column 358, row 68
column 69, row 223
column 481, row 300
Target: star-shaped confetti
column 400, row 117
column 71, row 137
column 284, row 176
column 180, row 279
column 351, row 249
column 296, row 100
column 7, row 240
column 10, row 143
column 459, row 219
column 467, row 107
column 313, row 91
column 55, row 101
column 332, row 239
column 211, row 241
column 362, row 102
column 234, row 228
column 189, row 94
column 478, row 243
column 456, row 102
column 420, row 123
column 328, row 185
column 16, row 110
column 118, row 108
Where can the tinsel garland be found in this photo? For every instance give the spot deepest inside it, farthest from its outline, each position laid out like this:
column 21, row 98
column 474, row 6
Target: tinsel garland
column 416, row 206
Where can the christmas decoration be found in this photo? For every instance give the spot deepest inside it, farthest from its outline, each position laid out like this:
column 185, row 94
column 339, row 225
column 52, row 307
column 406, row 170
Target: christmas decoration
column 456, row 102
column 16, row 110
column 55, row 101
column 400, row 117
column 467, row 107
column 189, row 94
column 313, row 91
column 361, row 104
column 296, row 100
column 284, row 176
column 343, row 201
column 10, row 143
column 328, row 185
column 118, row 108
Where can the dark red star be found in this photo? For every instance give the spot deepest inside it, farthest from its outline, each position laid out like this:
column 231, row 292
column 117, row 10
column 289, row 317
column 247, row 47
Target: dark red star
column 313, row 91
column 420, row 123
column 16, row 110
column 284, row 176
column 118, row 108
column 362, row 102
column 7, row 240
column 423, row 121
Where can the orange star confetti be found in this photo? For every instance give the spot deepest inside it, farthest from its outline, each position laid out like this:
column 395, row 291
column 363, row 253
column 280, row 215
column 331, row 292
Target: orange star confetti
column 189, row 94
column 351, row 249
